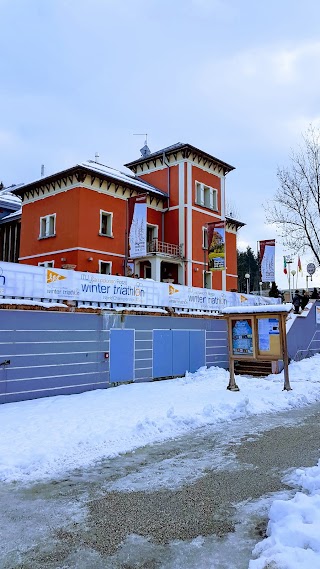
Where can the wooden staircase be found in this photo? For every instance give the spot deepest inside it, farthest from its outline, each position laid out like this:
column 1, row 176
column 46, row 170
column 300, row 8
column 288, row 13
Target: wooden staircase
column 256, row 369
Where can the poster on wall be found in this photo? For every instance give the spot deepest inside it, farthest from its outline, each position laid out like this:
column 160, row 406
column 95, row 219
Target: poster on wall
column 216, row 246
column 267, row 329
column 242, row 341
column 267, row 260
column 137, row 223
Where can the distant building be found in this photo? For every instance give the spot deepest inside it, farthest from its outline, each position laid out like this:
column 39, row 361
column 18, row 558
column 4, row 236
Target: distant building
column 77, row 218
column 10, row 223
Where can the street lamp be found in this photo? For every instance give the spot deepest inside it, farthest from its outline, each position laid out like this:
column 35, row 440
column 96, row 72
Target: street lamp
column 293, row 272
column 247, row 276
column 260, row 288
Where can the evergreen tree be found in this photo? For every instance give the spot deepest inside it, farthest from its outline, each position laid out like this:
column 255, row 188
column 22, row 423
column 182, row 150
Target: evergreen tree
column 248, row 262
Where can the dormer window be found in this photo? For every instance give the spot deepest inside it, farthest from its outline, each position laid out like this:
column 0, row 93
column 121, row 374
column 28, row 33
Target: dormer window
column 206, row 196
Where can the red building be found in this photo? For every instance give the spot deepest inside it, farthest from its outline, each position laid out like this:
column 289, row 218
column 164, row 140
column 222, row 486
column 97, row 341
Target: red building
column 77, row 218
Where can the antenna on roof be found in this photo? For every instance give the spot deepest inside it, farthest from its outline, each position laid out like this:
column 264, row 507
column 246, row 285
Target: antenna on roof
column 96, row 156
column 42, row 170
column 145, row 150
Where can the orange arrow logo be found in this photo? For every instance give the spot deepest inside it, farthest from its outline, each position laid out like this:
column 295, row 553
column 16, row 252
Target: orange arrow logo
column 53, row 277
column 172, row 290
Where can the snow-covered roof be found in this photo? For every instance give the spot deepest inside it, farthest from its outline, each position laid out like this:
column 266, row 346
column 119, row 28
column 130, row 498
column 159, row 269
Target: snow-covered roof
column 99, row 169
column 11, row 216
column 121, row 176
column 8, row 200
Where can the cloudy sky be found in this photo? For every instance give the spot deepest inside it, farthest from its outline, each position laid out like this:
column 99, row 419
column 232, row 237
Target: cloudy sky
column 237, row 78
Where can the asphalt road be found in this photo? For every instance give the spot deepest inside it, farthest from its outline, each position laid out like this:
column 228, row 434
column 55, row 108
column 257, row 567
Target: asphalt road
column 182, row 504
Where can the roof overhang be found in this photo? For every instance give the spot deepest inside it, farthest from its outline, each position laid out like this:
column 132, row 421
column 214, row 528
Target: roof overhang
column 80, row 172
column 234, row 223
column 186, row 150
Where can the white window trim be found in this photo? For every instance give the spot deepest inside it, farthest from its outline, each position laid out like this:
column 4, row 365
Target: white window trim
column 204, row 240
column 202, row 202
column 106, row 262
column 102, row 211
column 203, row 278
column 145, row 267
column 45, row 264
column 54, row 215
column 155, row 227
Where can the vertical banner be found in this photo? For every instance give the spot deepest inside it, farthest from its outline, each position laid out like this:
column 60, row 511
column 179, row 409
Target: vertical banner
column 137, row 223
column 267, row 260
column 216, row 246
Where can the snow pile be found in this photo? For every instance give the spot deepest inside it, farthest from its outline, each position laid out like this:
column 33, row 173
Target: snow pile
column 46, row 437
column 294, row 527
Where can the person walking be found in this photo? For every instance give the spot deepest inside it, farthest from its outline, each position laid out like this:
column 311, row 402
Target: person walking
column 296, row 301
column 305, row 299
column 315, row 294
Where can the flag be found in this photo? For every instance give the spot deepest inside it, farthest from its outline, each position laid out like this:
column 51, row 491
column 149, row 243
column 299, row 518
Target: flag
column 216, row 246
column 285, row 265
column 299, row 265
column 137, row 222
column 267, row 258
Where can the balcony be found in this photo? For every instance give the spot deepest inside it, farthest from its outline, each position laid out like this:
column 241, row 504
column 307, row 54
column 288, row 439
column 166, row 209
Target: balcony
column 162, row 248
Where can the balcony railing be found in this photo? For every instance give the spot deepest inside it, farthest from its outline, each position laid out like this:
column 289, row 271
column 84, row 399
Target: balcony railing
column 156, row 246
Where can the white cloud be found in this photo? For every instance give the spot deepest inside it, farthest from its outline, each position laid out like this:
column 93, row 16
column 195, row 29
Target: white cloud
column 264, row 90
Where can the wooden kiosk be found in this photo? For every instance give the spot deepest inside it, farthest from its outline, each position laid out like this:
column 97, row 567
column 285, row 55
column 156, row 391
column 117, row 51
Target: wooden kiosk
column 257, row 333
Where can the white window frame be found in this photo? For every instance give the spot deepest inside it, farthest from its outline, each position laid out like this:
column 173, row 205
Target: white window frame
column 155, row 229
column 207, row 273
column 45, row 223
column 101, row 261
column 47, row 264
column 205, row 196
column 110, row 215
column 145, row 269
column 205, row 238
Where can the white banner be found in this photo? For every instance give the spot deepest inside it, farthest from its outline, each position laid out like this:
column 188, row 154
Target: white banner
column 137, row 212
column 267, row 259
column 28, row 281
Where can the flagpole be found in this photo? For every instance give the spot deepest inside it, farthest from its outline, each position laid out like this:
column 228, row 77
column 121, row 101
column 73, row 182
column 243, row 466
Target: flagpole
column 288, row 263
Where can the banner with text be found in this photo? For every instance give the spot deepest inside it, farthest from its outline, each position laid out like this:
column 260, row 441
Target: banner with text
column 216, row 246
column 137, row 222
column 27, row 281
column 267, row 260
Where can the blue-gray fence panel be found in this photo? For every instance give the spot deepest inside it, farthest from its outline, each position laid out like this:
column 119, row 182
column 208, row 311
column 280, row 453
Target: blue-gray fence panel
column 180, row 351
column 197, row 350
column 121, row 355
column 303, row 336
column 3, row 381
column 162, row 353
column 54, row 353
column 51, row 354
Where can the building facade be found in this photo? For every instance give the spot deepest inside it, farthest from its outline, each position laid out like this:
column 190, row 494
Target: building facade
column 78, row 218
column 10, row 225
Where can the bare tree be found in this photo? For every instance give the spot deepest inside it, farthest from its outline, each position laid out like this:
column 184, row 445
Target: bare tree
column 295, row 209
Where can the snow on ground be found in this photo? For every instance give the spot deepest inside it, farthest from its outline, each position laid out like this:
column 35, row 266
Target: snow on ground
column 293, row 532
column 44, row 438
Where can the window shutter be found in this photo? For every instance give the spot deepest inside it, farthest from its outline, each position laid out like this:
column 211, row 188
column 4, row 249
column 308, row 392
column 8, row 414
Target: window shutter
column 202, row 195
column 211, row 198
